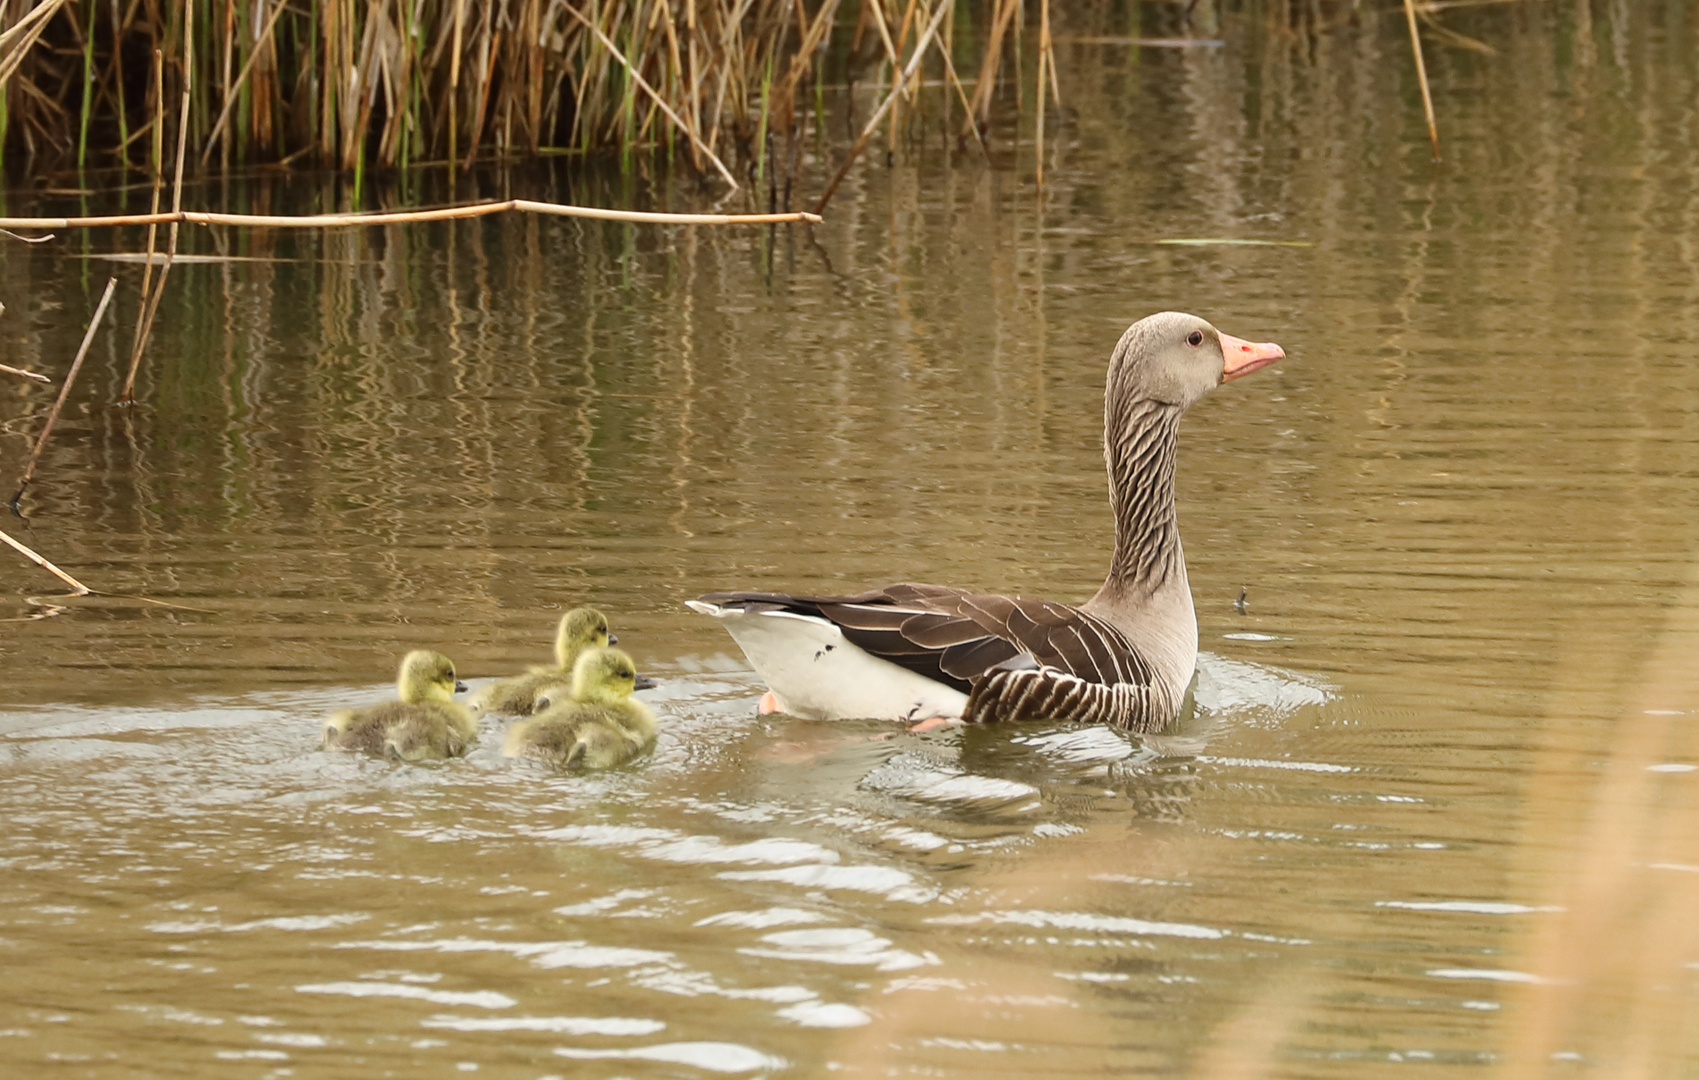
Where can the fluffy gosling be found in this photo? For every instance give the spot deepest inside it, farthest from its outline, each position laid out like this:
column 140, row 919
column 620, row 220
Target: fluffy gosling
column 601, row 725
column 426, row 722
column 580, row 629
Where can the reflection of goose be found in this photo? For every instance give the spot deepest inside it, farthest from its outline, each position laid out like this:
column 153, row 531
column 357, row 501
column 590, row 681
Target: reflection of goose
column 601, row 725
column 580, row 629
column 425, row 723
column 1124, row 657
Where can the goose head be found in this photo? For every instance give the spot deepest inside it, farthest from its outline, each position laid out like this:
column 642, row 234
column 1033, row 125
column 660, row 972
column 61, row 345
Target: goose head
column 604, row 676
column 1172, row 358
column 580, row 629
column 426, row 676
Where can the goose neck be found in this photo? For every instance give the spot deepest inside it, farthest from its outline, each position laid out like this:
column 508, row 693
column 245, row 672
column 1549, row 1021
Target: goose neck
column 1139, row 444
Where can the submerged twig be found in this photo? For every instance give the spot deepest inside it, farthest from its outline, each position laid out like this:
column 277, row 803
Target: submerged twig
column 82, row 590
column 64, row 392
column 884, row 107
column 1422, row 75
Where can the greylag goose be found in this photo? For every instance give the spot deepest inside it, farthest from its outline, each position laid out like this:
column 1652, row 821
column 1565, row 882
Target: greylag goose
column 922, row 652
column 425, row 723
column 601, row 725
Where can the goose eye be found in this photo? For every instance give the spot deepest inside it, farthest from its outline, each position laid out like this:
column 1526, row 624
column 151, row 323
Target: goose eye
column 1195, row 338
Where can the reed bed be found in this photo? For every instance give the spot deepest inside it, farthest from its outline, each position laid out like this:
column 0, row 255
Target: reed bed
column 380, row 84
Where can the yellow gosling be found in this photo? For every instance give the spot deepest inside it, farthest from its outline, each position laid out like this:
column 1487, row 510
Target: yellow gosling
column 426, row 723
column 601, row 725
column 580, row 629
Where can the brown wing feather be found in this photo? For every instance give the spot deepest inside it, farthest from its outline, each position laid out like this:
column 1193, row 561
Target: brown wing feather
column 957, row 637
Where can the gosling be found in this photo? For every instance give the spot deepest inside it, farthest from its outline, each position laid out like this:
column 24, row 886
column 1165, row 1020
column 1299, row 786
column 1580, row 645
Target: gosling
column 601, row 725
column 426, row 723
column 580, row 629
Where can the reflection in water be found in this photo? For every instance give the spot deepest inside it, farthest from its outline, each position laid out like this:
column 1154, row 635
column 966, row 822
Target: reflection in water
column 1461, row 513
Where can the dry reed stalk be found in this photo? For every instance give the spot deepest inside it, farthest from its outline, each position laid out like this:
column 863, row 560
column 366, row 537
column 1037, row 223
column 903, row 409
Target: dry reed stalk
column 398, row 217
column 82, row 590
column 1422, row 75
column 613, row 50
column 24, row 34
column 980, row 112
column 879, row 114
column 961, row 93
column 128, row 395
column 158, row 123
column 1612, row 953
column 1043, row 60
column 64, row 392
column 911, row 87
column 247, row 68
column 891, row 55
column 810, row 42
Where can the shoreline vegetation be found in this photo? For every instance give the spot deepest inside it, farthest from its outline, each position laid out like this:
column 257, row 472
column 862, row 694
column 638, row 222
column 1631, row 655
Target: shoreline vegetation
column 747, row 94
column 733, row 87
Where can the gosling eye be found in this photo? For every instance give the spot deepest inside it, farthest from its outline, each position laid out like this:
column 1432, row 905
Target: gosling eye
column 1195, row 338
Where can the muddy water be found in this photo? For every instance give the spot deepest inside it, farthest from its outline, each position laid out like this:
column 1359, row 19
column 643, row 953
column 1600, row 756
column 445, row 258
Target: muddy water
column 1432, row 806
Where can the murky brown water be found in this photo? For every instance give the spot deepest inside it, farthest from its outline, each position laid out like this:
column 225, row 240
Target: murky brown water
column 1435, row 808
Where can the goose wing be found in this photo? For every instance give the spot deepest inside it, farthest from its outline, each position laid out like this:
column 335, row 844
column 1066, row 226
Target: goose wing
column 962, row 638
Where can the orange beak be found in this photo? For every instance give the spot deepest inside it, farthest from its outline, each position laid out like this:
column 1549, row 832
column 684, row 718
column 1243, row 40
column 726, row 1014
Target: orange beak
column 1244, row 357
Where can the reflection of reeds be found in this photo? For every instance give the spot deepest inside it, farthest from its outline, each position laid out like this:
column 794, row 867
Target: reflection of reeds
column 393, row 83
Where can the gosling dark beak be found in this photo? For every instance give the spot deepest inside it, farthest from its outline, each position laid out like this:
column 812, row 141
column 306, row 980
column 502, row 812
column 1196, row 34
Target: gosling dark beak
column 644, row 682
column 613, row 639
column 460, row 687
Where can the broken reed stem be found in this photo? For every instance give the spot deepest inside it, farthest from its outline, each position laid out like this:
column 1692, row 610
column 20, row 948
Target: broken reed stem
column 678, row 121
column 879, row 114
column 403, row 217
column 10, row 370
column 128, row 395
column 1422, row 76
column 81, row 589
column 64, row 392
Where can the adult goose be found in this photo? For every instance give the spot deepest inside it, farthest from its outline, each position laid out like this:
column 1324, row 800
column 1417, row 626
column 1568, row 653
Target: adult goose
column 1123, row 658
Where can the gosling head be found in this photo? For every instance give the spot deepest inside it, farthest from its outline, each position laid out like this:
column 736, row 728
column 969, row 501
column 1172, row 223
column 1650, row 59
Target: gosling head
column 604, row 676
column 580, row 629
column 427, row 676
column 1173, row 358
